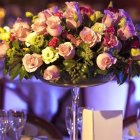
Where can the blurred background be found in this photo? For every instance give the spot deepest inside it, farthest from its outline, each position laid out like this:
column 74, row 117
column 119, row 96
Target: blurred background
column 48, row 102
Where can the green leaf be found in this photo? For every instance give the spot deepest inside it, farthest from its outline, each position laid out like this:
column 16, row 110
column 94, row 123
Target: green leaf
column 15, row 44
column 22, row 72
column 14, row 71
column 36, row 49
column 121, row 77
column 103, row 72
column 13, row 60
column 5, row 71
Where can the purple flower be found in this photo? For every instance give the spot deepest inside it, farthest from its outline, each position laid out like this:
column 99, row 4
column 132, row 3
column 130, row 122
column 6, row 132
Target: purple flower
column 127, row 31
column 110, row 18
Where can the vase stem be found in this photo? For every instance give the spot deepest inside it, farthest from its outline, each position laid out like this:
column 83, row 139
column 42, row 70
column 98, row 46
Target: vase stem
column 75, row 100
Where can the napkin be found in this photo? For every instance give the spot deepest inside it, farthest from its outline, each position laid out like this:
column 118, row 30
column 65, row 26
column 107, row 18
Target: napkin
column 26, row 138
column 102, row 125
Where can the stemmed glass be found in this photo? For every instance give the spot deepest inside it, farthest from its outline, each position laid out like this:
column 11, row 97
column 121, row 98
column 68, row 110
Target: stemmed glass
column 68, row 120
column 79, row 119
column 3, row 123
column 17, row 120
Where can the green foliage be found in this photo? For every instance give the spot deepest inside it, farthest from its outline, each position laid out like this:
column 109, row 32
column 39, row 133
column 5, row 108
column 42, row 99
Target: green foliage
column 85, row 52
column 24, row 74
column 69, row 63
column 14, row 71
column 102, row 72
column 15, row 44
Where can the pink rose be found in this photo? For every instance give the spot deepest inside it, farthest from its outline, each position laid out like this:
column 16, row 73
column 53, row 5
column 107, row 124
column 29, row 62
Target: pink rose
column 39, row 26
column 66, row 50
column 74, row 40
column 73, row 15
column 32, row 61
column 54, row 27
column 20, row 29
column 89, row 36
column 71, row 23
column 126, row 32
column 53, row 10
column 52, row 73
column 53, row 22
column 54, row 32
column 3, row 49
column 44, row 14
column 110, row 18
column 105, row 60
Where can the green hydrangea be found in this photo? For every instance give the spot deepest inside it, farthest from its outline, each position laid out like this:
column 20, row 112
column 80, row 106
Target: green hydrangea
column 49, row 55
column 34, row 39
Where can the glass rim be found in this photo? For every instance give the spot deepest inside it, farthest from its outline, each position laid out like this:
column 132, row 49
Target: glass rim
column 18, row 110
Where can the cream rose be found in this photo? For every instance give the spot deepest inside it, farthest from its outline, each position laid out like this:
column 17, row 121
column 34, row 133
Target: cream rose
column 66, row 50
column 31, row 62
column 39, row 26
column 105, row 60
column 52, row 73
column 3, row 49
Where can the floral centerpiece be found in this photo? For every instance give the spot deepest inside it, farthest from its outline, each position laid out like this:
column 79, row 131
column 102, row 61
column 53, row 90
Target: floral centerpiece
column 72, row 44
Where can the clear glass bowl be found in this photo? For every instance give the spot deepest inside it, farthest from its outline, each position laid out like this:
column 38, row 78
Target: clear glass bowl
column 98, row 80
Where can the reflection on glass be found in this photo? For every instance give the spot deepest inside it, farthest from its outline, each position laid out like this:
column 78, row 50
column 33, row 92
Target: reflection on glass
column 3, row 123
column 17, row 120
column 68, row 119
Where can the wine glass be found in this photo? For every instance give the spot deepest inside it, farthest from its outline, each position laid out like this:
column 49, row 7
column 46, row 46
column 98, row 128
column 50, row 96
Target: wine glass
column 68, row 119
column 17, row 120
column 3, row 123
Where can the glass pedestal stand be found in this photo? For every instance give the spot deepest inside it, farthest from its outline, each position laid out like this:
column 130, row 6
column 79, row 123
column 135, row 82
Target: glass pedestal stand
column 99, row 79
column 75, row 99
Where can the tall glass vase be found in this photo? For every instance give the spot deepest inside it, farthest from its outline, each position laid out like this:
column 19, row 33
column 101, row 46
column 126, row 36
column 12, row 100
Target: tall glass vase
column 75, row 100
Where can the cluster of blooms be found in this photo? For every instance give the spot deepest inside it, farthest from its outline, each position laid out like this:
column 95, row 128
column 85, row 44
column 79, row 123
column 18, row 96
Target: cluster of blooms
column 75, row 44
